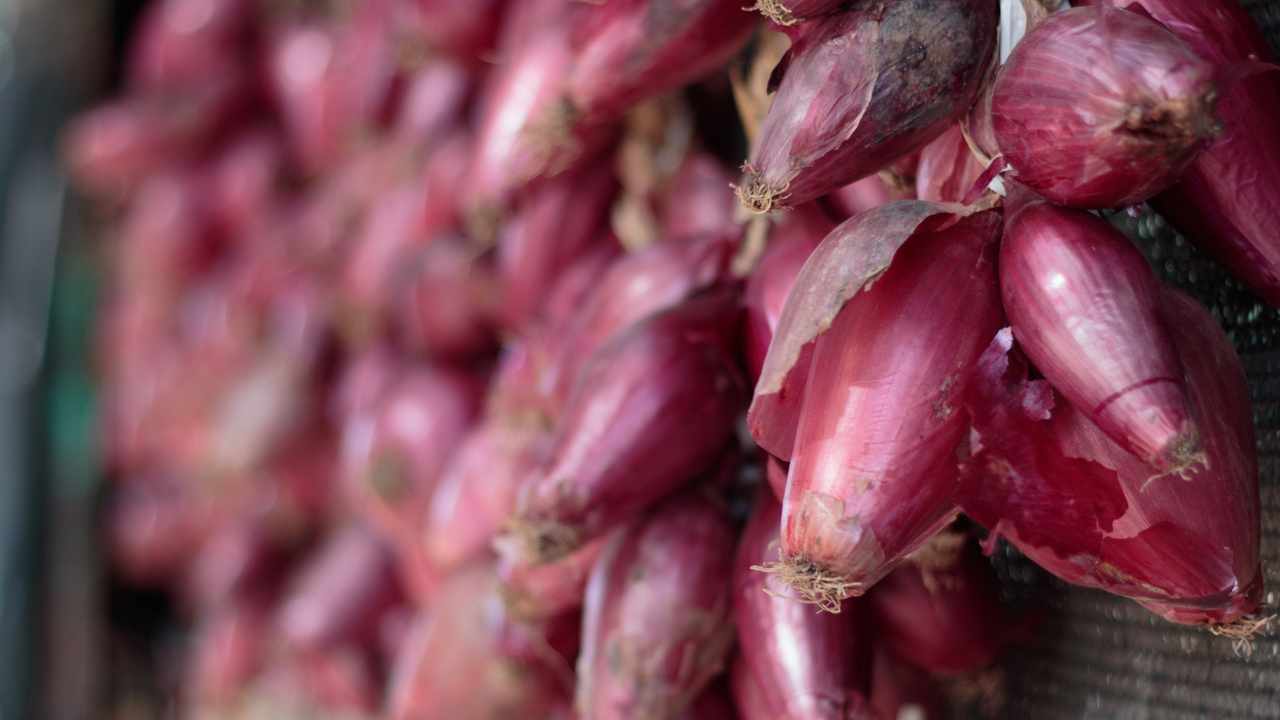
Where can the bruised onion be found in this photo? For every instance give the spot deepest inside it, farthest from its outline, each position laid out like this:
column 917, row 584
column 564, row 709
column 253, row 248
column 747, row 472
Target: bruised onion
column 663, row 396
column 656, row 623
column 878, row 339
column 862, row 89
column 1089, row 512
column 941, row 611
column 806, row 665
column 1084, row 306
column 1101, row 108
column 1228, row 200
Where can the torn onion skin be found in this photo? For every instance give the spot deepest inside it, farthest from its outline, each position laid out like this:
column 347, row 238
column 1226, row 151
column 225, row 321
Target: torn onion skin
column 1084, row 307
column 1094, row 515
column 942, row 612
column 948, row 168
column 1099, row 108
column 1228, row 200
column 806, row 665
column 873, row 452
column 864, row 88
column 656, row 626
column 663, row 396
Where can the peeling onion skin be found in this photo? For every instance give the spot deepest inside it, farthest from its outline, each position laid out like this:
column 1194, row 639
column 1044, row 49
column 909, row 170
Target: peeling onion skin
column 873, row 471
column 948, row 170
column 1228, row 200
column 1102, row 108
column 806, row 665
column 1095, row 515
column 656, row 625
column 864, row 88
column 945, row 617
column 662, row 396
column 1083, row 304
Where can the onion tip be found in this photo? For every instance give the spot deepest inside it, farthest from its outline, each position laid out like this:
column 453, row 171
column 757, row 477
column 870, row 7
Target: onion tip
column 757, row 194
column 776, row 11
column 813, row 584
column 1242, row 632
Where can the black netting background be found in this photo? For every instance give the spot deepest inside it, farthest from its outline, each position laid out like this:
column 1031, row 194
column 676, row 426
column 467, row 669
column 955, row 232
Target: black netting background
column 1102, row 657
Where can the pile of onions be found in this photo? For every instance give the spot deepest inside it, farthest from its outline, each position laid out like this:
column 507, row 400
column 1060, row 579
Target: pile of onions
column 462, row 359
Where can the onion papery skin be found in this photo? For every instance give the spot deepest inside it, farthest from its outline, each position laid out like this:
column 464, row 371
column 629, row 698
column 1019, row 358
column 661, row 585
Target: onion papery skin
column 948, row 169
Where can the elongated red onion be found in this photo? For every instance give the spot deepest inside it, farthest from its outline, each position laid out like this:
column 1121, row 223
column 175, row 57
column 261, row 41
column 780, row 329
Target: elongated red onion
column 790, row 12
column 341, row 594
column 557, row 220
column 864, row 88
column 699, row 200
column 245, row 182
column 805, row 664
column 446, row 298
column 901, row 690
column 893, row 308
column 1095, row 515
column 656, row 624
column 245, row 555
column 442, row 180
column 1228, row 200
column 637, row 50
column 790, row 244
column 637, row 286
column 948, row 168
column 167, row 238
column 941, row 611
column 577, row 282
column 179, row 43
column 1084, row 306
column 388, row 233
column 228, row 650
column 363, row 382
column 435, row 98
column 467, row 625
column 465, row 28
column 1102, row 108
column 393, row 459
column 477, row 492
column 662, row 396
column 154, row 524
column 542, row 591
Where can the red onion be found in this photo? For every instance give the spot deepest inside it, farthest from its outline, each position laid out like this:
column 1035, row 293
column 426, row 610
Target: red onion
column 166, row 238
column 790, row 244
column 341, row 594
column 948, row 169
column 646, row 282
column 393, row 459
column 477, row 492
column 154, row 524
column 577, row 282
column 637, row 50
column 805, row 664
column 542, row 591
column 435, row 98
column 893, row 308
column 363, row 382
column 479, row 680
column 901, row 690
column 775, row 474
column 442, row 180
column 446, row 298
column 244, row 182
column 862, row 195
column 662, row 396
column 558, row 219
column 699, row 200
column 180, row 43
column 942, row 611
column 655, row 625
column 790, row 12
column 1228, row 200
column 712, row 704
column 536, row 58
column 864, row 88
column 245, row 555
column 1095, row 515
column 302, row 74
column 1083, row 304
column 1102, row 108
column 388, row 232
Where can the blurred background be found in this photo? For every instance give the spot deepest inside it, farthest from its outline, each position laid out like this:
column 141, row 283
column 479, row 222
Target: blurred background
column 82, row 636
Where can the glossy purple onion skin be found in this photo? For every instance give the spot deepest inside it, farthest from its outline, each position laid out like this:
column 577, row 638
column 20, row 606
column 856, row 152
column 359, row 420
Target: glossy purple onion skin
column 1228, row 200
column 806, row 665
column 873, row 471
column 1083, row 304
column 1095, row 515
column 1102, row 108
column 643, row 49
column 864, row 88
column 656, row 624
column 662, row 396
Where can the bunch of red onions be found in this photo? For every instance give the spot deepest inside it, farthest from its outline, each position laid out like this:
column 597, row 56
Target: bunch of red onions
column 431, row 327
